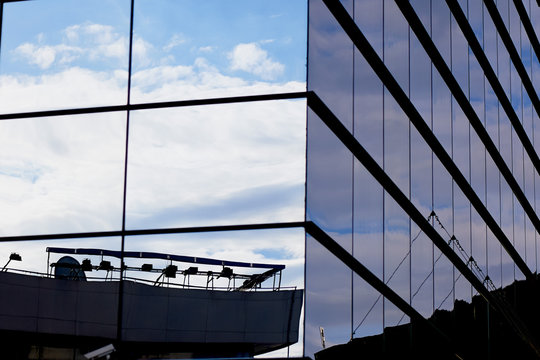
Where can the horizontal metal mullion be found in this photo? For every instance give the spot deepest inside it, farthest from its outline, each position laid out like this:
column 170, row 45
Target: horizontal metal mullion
column 179, row 230
column 154, row 105
column 378, row 66
column 491, row 76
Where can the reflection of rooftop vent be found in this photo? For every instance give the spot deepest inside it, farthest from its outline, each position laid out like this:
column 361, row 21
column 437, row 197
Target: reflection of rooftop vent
column 105, row 265
column 226, row 272
column 147, row 267
column 170, row 271
column 192, row 270
column 86, row 265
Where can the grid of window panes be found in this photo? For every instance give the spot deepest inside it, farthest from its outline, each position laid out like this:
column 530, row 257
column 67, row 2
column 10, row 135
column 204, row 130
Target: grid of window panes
column 348, row 202
column 117, row 115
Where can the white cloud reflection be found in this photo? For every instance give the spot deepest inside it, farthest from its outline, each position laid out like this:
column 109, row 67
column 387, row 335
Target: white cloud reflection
column 253, row 59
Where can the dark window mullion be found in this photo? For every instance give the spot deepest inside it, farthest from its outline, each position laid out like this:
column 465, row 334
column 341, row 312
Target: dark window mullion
column 531, row 34
column 347, row 139
column 476, row 123
column 363, row 45
column 161, row 231
column 155, row 105
column 514, row 55
column 476, row 48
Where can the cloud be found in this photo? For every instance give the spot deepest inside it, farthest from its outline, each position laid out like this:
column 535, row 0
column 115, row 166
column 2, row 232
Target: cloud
column 206, row 49
column 83, row 42
column 253, row 59
column 42, row 57
column 61, row 89
column 176, row 40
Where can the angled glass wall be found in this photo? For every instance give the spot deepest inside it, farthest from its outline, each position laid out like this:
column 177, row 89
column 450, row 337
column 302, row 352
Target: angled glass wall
column 434, row 140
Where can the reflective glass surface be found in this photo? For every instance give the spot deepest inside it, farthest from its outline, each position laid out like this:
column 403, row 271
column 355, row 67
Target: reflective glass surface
column 63, row 54
column 215, row 165
column 386, row 241
column 329, row 205
column 191, row 49
column 267, row 247
column 62, row 174
column 330, row 59
column 328, row 299
column 53, row 294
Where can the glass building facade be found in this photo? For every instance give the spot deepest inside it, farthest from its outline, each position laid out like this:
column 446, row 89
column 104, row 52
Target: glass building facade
column 422, row 166
column 180, row 127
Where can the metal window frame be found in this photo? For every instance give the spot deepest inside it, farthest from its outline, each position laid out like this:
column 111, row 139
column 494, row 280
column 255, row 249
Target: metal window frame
column 378, row 66
column 527, row 25
column 514, row 55
column 362, row 155
column 474, row 120
column 490, row 75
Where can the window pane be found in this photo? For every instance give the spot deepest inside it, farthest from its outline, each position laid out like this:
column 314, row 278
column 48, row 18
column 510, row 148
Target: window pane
column 199, row 49
column 63, row 54
column 204, row 292
column 62, row 174
column 49, row 295
column 215, row 165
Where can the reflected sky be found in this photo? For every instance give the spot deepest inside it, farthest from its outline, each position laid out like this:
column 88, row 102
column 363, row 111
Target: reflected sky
column 75, row 56
column 253, row 172
column 61, row 174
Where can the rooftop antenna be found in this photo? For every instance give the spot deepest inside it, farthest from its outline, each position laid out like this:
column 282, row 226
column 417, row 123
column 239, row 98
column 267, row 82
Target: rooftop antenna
column 323, row 340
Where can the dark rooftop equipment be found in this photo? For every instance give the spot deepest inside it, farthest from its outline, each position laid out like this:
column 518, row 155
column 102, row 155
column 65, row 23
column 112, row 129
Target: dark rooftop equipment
column 105, row 265
column 86, row 265
column 170, row 271
column 14, row 257
column 227, row 272
column 147, row 267
column 252, row 281
column 153, row 255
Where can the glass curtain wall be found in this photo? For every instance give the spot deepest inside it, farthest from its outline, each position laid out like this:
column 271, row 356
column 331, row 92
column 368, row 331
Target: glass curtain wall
column 466, row 162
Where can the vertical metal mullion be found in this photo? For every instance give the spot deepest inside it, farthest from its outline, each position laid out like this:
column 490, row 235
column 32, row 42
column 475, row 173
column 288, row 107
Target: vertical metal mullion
column 122, row 246
column 514, row 56
column 1, row 23
column 353, row 49
column 527, row 25
column 470, row 113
